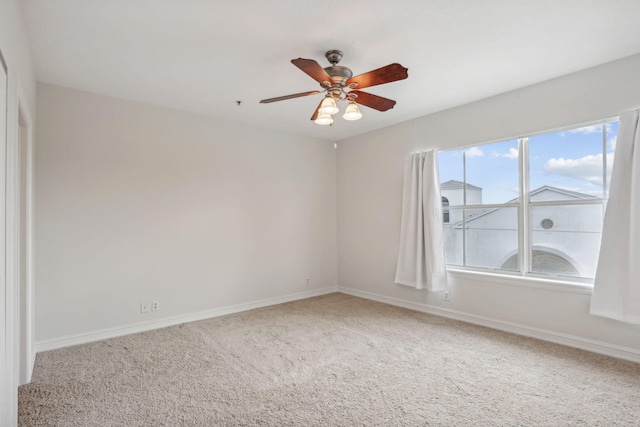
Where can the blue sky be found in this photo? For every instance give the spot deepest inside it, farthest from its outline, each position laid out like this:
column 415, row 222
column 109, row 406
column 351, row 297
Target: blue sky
column 570, row 159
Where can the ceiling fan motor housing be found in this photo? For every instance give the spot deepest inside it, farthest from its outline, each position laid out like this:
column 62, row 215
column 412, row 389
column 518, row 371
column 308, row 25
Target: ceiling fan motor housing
column 339, row 74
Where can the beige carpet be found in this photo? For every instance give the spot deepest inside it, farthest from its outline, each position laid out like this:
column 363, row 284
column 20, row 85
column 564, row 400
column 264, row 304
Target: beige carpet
column 334, row 360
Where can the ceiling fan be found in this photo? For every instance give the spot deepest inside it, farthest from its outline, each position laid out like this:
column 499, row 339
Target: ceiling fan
column 339, row 85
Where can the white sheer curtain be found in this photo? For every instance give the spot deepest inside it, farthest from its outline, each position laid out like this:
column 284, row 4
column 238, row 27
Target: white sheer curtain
column 616, row 290
column 421, row 259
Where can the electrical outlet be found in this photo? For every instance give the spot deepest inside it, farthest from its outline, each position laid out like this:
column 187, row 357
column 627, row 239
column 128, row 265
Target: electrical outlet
column 447, row 296
column 308, row 282
column 144, row 307
column 155, row 306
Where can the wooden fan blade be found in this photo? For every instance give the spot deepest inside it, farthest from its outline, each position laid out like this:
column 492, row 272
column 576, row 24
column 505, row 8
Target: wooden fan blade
column 390, row 73
column 295, row 95
column 314, row 70
column 315, row 113
column 373, row 101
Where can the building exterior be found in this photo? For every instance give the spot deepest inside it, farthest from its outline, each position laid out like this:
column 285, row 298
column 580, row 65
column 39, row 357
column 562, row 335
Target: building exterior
column 565, row 239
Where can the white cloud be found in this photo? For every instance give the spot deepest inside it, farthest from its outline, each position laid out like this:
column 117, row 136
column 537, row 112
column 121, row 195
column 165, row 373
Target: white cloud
column 587, row 168
column 612, row 143
column 590, row 129
column 474, row 152
column 512, row 154
column 587, row 129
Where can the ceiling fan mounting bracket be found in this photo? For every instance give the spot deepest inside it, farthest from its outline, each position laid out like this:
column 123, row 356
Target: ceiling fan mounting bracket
column 333, row 56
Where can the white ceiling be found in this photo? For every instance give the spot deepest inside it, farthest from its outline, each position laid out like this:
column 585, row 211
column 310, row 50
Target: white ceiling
column 204, row 55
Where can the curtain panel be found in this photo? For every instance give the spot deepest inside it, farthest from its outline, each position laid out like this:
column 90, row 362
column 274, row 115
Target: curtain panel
column 421, row 257
column 616, row 289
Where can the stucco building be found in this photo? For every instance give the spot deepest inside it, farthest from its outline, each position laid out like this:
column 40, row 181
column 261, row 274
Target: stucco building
column 565, row 239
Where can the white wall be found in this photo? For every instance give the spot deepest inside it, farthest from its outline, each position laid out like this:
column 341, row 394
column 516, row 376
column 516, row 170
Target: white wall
column 21, row 93
column 370, row 170
column 140, row 203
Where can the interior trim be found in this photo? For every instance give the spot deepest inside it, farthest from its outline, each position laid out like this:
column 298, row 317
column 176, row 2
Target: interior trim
column 599, row 347
column 102, row 334
column 522, row 281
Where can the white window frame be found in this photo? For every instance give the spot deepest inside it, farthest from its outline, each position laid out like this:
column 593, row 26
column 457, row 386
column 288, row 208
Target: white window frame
column 524, row 276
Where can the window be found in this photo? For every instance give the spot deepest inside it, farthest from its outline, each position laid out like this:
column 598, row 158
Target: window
column 532, row 206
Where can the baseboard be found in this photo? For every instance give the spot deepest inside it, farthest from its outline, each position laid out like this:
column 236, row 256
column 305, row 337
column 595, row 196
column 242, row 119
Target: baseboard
column 102, row 334
column 545, row 335
column 551, row 336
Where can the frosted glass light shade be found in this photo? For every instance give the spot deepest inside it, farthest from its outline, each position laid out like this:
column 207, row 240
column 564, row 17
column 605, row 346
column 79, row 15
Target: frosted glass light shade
column 352, row 112
column 324, row 119
column 328, row 106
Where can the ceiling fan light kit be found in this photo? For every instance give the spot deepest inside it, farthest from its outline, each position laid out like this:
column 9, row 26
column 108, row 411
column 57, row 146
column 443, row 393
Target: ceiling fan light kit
column 352, row 112
column 328, row 106
column 324, row 119
column 339, row 85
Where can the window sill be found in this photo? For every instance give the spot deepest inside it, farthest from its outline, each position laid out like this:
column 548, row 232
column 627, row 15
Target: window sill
column 528, row 282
